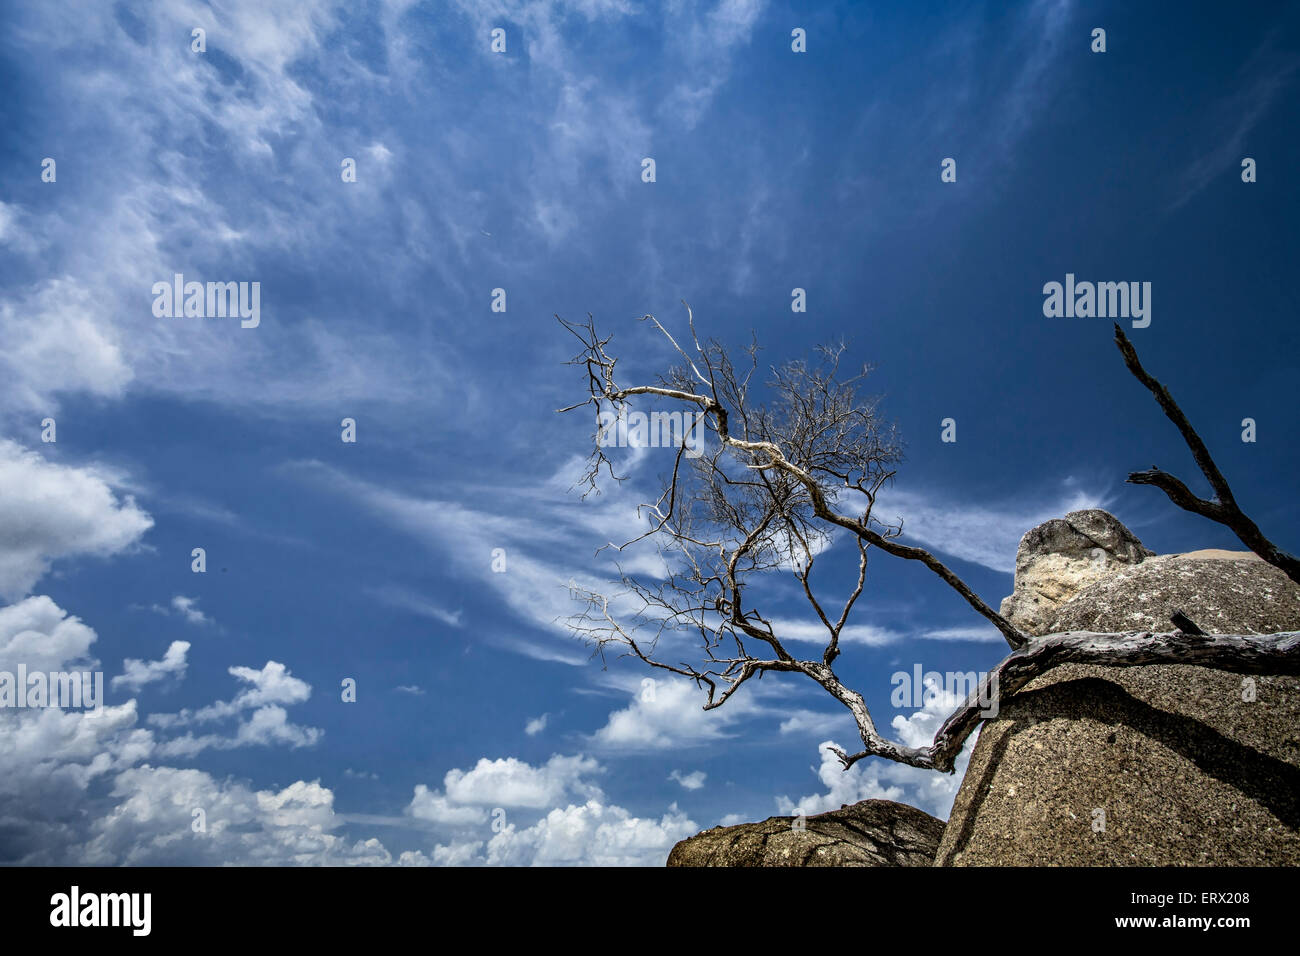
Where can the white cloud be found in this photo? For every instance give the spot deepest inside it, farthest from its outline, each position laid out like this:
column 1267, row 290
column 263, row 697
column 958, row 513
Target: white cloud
column 411, row 689
column 51, row 756
column 15, row 229
column 268, row 723
column 587, row 121
column 982, row 633
column 266, row 726
column 540, row 525
column 141, row 814
column 51, row 512
column 379, row 153
column 878, row 779
column 96, row 333
column 513, row 783
column 1220, row 144
column 816, row 722
column 40, row 634
column 187, row 607
column 458, row 854
column 415, row 603
column 689, row 781
column 536, row 725
column 812, row 631
column 434, row 807
column 273, row 684
column 672, row 716
column 56, row 341
column 137, row 673
column 709, row 43
column 152, row 823
column 593, row 834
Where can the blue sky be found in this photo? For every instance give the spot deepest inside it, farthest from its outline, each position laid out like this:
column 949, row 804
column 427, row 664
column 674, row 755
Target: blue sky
column 521, row 171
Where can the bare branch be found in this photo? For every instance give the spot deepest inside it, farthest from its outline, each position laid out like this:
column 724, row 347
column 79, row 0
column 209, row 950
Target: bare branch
column 1223, row 508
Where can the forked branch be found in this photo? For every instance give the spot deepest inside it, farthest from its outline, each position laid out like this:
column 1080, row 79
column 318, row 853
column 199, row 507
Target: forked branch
column 1223, row 507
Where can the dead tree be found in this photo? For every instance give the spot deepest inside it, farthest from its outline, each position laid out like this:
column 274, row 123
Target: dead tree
column 775, row 482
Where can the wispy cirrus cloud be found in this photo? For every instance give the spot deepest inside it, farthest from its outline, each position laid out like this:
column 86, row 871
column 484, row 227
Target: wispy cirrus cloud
column 1265, row 78
column 987, row 534
column 406, row 600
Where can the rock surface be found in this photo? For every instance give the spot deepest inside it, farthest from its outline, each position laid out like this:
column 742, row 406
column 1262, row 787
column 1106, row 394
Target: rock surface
column 1224, row 592
column 1060, row 557
column 1153, row 765
column 870, row 833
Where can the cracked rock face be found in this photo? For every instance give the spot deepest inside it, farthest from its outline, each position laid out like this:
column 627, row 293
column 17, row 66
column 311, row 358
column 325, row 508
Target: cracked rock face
column 870, row 833
column 1061, row 557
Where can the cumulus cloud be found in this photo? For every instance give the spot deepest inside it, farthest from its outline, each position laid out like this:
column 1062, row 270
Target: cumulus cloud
column 592, row 834
column 137, row 673
column 82, row 790
column 690, row 781
column 589, row 832
column 513, row 783
column 536, row 725
column 876, row 779
column 186, row 607
column 507, row 782
column 434, row 807
column 669, row 713
column 267, row 725
column 51, row 511
column 39, row 633
column 50, row 756
column 56, row 341
column 271, row 685
column 153, row 823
